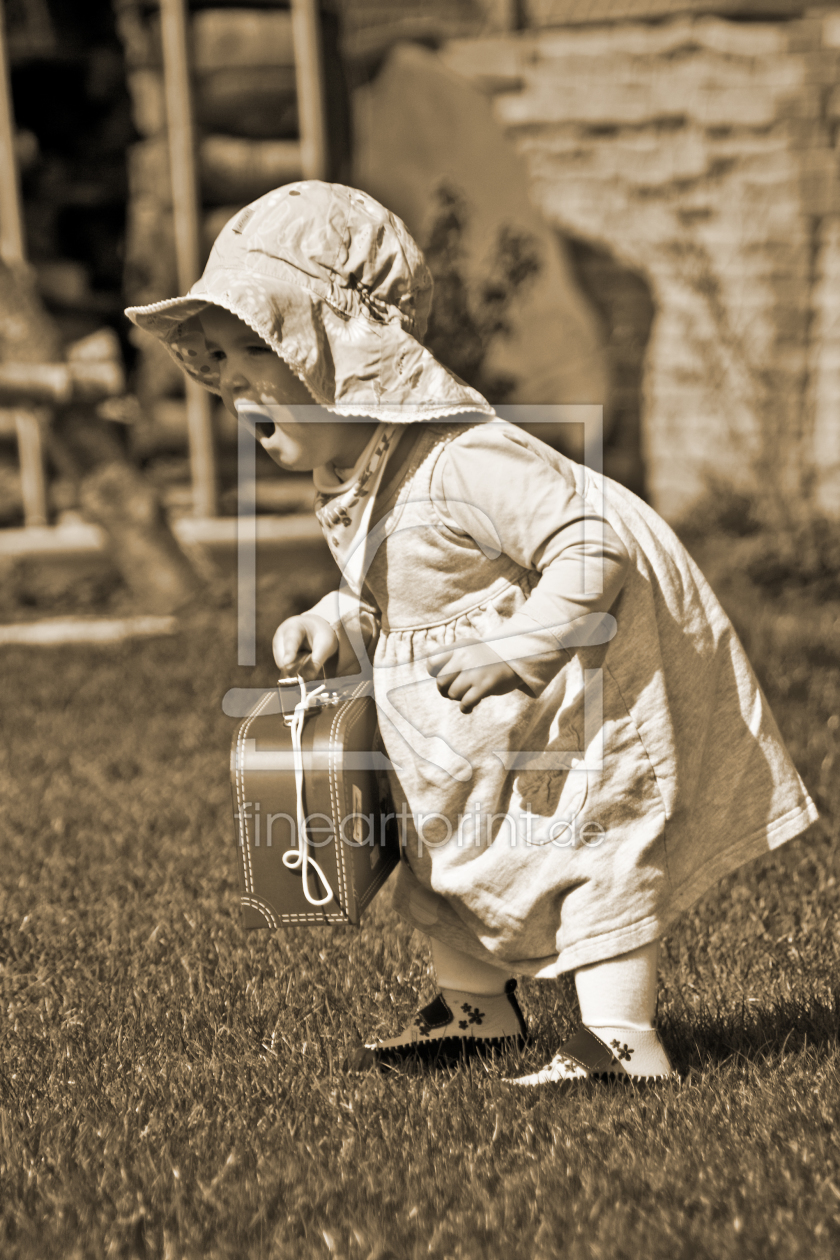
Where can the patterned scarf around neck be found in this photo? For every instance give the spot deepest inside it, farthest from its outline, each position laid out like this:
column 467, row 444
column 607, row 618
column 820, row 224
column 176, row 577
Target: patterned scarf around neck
column 344, row 503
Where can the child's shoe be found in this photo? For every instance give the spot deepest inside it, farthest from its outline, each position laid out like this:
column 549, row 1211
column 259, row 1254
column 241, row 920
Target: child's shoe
column 454, row 1025
column 619, row 1054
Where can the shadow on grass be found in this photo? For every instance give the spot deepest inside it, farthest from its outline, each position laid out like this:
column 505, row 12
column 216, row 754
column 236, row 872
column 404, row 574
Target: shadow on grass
column 709, row 1037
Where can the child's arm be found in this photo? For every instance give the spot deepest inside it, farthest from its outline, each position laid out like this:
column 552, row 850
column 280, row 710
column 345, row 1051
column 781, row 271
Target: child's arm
column 331, row 631
column 493, row 486
column 470, row 672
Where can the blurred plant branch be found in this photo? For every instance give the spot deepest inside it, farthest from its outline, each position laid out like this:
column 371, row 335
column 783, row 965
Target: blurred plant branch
column 469, row 315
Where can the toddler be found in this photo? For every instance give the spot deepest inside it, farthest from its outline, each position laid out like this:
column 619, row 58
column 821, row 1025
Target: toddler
column 580, row 747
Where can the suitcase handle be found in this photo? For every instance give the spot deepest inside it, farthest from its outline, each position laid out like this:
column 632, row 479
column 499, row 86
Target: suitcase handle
column 331, row 691
column 291, row 672
column 296, row 680
column 300, row 859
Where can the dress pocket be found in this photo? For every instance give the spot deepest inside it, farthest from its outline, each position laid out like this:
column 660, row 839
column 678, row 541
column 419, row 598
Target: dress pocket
column 553, row 785
column 594, row 783
column 555, row 792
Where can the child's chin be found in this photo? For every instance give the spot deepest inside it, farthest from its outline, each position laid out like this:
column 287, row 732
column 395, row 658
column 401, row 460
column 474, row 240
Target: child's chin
column 290, row 463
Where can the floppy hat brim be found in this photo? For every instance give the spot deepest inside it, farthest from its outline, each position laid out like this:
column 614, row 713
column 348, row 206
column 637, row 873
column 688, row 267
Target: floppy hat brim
column 352, row 361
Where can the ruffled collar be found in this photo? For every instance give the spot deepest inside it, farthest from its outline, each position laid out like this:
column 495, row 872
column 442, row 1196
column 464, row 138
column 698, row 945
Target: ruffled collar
column 345, row 500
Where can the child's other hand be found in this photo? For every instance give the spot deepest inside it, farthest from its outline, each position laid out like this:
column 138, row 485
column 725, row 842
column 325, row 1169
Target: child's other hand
column 305, row 633
column 469, row 672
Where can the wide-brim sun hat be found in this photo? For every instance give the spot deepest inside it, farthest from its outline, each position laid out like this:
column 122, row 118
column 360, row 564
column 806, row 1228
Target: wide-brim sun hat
column 338, row 288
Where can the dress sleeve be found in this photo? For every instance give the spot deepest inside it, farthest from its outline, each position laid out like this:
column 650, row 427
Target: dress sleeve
column 493, row 486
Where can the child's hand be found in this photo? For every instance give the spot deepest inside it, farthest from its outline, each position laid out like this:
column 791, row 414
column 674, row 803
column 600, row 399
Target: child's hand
column 307, row 632
column 471, row 671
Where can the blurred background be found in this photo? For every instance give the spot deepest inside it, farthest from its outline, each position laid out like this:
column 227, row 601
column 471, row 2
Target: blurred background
column 626, row 202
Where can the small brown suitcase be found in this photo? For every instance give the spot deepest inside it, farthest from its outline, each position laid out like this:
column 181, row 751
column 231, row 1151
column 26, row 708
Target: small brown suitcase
column 328, row 869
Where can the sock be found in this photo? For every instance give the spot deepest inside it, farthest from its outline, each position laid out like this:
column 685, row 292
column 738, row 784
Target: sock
column 618, row 1002
column 465, row 974
column 621, row 991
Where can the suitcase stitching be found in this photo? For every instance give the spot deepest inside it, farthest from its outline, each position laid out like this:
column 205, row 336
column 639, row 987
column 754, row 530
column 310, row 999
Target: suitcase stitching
column 301, row 711
column 342, row 916
column 240, row 790
column 334, row 792
column 251, row 899
column 339, row 853
column 256, row 903
column 364, row 901
column 339, row 863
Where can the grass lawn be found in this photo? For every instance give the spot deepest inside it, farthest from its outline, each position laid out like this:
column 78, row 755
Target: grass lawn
column 171, row 1086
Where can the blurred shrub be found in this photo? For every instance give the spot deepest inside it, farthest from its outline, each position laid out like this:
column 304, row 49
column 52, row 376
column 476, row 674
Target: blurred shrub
column 468, row 315
column 32, row 587
column 721, row 510
column 806, row 553
column 778, row 542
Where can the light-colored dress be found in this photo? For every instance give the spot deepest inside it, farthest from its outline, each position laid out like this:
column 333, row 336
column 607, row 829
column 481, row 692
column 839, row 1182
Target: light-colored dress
column 574, row 819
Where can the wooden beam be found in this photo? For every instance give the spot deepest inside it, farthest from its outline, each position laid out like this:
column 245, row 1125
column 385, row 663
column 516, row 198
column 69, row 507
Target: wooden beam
column 55, row 631
column 185, row 208
column 28, row 425
column 60, row 383
column 11, row 219
column 309, row 65
column 217, row 533
column 176, row 72
column 540, row 14
column 202, row 450
column 233, row 168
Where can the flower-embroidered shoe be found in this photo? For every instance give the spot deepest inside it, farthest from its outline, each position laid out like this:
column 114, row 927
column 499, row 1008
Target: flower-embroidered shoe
column 618, row 1054
column 454, row 1025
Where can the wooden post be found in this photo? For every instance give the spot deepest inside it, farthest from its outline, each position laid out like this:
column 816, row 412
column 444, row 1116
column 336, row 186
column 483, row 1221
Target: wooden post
column 11, row 220
column 28, row 425
column 185, row 209
column 309, row 65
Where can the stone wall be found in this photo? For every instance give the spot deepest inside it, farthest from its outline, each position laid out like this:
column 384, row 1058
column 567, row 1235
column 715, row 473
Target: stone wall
column 700, row 152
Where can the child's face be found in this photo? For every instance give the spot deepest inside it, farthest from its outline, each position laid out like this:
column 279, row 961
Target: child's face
column 249, row 370
column 248, row 367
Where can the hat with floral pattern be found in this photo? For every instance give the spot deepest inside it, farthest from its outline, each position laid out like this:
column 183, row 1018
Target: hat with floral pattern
column 338, row 288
